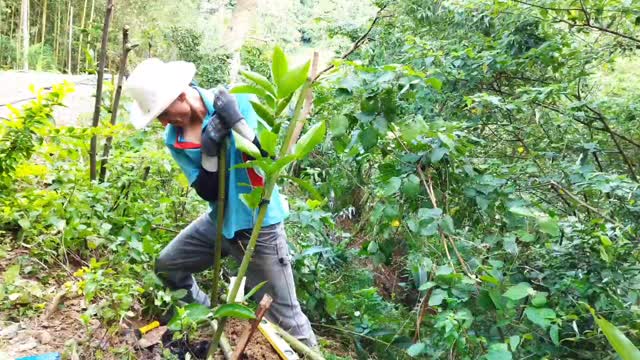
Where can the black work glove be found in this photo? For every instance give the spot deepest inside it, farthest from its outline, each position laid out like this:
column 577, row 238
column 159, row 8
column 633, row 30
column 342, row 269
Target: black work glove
column 226, row 108
column 213, row 136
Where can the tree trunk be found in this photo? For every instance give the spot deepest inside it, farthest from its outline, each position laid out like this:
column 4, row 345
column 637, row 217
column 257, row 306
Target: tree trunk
column 44, row 22
column 96, row 109
column 25, row 34
column 56, row 32
column 126, row 47
column 84, row 13
column 93, row 7
column 69, row 50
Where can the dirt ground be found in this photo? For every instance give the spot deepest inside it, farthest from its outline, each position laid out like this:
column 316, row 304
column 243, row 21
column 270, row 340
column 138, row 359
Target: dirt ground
column 258, row 348
column 24, row 331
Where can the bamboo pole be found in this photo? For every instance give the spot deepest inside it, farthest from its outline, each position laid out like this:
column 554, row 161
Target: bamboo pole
column 56, row 37
column 25, row 34
column 298, row 116
column 70, row 38
column 84, row 13
column 44, row 22
column 222, row 190
column 297, row 345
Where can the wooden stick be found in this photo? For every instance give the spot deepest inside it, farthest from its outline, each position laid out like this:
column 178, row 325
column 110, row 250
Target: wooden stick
column 265, row 303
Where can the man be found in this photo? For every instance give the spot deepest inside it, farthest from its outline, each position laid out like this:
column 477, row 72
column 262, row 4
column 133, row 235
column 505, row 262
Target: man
column 196, row 123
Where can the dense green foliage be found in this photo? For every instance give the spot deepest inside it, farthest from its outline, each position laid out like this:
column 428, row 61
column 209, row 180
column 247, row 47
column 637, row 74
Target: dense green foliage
column 477, row 195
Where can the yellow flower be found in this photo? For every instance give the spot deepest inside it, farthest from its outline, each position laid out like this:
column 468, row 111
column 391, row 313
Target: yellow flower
column 395, row 223
column 520, row 150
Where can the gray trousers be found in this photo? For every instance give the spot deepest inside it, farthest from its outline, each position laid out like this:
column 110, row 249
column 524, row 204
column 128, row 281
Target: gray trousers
column 193, row 250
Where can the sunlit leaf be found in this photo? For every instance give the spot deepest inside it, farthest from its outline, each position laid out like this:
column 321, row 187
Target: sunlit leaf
column 293, row 80
column 314, row 136
column 234, row 311
column 259, row 80
column 246, row 146
column 279, row 66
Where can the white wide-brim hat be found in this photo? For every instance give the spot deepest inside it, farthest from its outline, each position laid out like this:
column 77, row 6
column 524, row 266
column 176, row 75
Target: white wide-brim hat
column 154, row 85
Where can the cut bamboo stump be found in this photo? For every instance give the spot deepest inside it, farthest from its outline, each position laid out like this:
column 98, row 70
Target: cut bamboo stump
column 265, row 303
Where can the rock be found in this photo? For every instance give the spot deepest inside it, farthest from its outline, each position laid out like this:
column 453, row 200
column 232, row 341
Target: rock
column 44, row 337
column 10, row 331
column 28, row 345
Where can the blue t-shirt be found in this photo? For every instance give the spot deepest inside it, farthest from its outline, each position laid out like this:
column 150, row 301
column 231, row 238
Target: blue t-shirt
column 237, row 215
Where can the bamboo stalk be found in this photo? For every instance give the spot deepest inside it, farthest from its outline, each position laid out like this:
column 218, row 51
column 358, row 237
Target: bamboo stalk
column 25, row 35
column 297, row 345
column 84, row 13
column 222, row 189
column 270, row 183
column 56, row 36
column 70, row 38
column 44, row 22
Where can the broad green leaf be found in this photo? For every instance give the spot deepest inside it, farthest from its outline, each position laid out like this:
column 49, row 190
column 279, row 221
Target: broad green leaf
column 313, row 136
column 197, row 312
column 246, row 146
column 444, row 270
column 263, row 112
column 260, row 80
column 514, row 341
column 282, row 104
column 499, row 352
column 429, row 213
column 553, row 333
column 179, row 294
column 249, row 89
column 279, row 66
column 11, row 274
column 540, row 316
column 416, row 349
column 293, row 80
column 252, row 199
column 254, row 290
column 539, row 299
column 373, row 247
column 620, row 343
column 519, row 291
column 435, row 83
column 392, row 186
column 234, row 311
column 368, row 138
column 411, row 186
column 438, row 153
column 447, row 224
column 268, row 141
column 331, row 305
column 549, row 226
column 523, row 211
column 509, row 244
column 427, row 285
column 437, row 296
